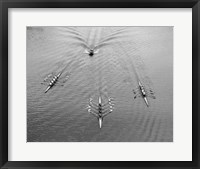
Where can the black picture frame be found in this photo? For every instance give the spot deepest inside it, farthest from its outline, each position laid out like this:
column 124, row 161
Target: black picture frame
column 6, row 4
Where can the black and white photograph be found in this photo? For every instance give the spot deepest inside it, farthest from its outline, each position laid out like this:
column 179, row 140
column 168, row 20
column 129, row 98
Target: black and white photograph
column 99, row 83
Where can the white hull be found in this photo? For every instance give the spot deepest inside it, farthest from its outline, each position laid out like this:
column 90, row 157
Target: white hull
column 47, row 89
column 100, row 122
column 146, row 101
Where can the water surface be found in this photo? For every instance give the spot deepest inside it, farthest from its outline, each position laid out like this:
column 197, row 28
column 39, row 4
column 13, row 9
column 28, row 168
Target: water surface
column 128, row 55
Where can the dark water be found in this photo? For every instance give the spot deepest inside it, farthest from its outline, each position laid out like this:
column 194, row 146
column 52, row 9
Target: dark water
column 129, row 54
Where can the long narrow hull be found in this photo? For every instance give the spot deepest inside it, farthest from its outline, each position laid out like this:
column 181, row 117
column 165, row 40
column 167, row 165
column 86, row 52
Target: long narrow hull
column 146, row 101
column 100, row 122
column 143, row 93
column 100, row 110
column 99, row 100
column 47, row 89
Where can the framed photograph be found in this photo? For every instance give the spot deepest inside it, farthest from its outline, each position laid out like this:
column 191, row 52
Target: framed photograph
column 89, row 84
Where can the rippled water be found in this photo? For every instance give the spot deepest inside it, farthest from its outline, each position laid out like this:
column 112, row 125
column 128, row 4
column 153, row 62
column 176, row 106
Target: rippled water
column 129, row 54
